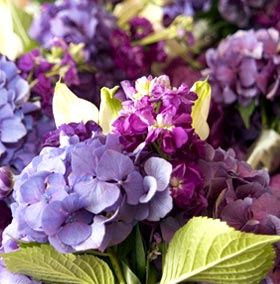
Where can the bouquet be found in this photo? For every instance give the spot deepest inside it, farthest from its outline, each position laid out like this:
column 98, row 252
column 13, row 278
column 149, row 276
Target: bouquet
column 130, row 171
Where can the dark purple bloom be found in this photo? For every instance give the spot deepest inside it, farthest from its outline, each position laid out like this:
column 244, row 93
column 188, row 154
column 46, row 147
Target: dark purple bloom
column 139, row 58
column 81, row 130
column 187, row 187
column 6, row 181
column 5, row 219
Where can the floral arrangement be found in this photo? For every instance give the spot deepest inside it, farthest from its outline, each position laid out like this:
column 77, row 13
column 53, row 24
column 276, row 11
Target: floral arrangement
column 139, row 142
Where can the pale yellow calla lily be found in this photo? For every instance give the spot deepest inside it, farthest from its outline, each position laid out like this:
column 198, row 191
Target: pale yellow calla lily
column 10, row 42
column 67, row 107
column 109, row 109
column 200, row 110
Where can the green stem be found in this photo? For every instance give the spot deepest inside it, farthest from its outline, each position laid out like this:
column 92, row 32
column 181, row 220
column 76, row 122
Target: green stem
column 116, row 266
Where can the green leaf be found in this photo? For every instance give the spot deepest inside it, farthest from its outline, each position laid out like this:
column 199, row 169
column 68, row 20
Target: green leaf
column 200, row 109
column 128, row 275
column 246, row 113
column 22, row 22
column 209, row 250
column 44, row 263
column 109, row 108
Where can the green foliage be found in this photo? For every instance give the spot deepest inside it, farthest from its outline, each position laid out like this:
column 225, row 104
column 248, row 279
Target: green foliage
column 246, row 113
column 22, row 22
column 211, row 251
column 44, row 263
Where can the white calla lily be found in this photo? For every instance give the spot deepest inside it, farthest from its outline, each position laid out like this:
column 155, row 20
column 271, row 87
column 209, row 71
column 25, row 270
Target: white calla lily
column 67, row 107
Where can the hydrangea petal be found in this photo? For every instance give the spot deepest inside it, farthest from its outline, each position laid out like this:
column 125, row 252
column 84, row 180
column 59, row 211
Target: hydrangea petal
column 12, row 130
column 114, row 166
column 74, row 233
column 160, row 169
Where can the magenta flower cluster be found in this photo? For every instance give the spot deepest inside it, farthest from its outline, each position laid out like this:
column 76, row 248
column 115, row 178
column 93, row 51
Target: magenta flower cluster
column 158, row 112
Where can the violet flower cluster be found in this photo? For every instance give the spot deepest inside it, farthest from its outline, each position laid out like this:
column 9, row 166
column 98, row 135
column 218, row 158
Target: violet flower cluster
column 87, row 194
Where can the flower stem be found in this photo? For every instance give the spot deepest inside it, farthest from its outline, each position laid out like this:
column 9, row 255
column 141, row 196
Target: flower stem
column 116, row 266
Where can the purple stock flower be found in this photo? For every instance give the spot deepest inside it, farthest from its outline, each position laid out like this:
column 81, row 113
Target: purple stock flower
column 88, row 193
column 157, row 114
column 139, row 58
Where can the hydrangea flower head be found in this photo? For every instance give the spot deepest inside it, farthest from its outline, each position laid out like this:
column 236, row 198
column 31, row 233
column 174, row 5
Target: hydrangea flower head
column 244, row 66
column 91, row 186
column 75, row 22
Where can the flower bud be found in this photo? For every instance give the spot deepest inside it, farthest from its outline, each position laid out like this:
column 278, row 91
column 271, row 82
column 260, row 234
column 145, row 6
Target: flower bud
column 6, row 182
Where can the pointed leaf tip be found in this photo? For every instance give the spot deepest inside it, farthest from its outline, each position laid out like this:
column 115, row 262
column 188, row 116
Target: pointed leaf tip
column 201, row 108
column 109, row 108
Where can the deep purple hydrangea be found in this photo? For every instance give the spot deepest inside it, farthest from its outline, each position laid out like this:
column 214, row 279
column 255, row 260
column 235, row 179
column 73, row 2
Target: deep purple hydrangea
column 87, row 194
column 183, row 7
column 253, row 14
column 244, row 67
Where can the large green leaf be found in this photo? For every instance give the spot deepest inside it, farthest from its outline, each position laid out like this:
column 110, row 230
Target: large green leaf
column 209, row 250
column 44, row 263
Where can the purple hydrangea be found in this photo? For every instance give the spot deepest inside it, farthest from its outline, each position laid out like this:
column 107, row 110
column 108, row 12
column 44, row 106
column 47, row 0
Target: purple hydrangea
column 253, row 14
column 76, row 22
column 14, row 109
column 87, row 194
column 244, row 67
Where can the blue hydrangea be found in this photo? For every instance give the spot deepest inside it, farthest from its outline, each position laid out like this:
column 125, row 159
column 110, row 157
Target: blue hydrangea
column 88, row 194
column 14, row 124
